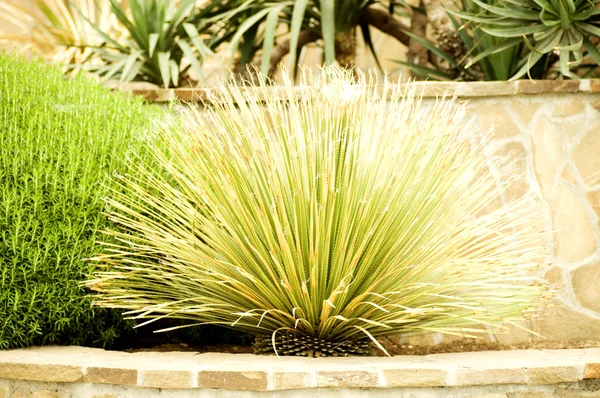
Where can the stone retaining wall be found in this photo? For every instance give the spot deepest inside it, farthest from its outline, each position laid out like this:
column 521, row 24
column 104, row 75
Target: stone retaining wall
column 552, row 131
column 76, row 372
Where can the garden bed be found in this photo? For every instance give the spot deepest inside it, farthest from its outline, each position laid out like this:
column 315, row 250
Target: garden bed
column 77, row 372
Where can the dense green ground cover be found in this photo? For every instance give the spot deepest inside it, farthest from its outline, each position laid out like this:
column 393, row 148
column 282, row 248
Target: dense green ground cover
column 61, row 140
column 61, row 143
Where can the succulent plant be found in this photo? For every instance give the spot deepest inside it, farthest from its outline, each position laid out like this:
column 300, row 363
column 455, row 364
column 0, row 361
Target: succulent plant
column 569, row 28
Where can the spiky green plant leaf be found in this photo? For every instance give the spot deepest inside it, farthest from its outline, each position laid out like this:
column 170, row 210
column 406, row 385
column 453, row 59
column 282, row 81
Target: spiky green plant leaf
column 567, row 22
column 324, row 19
column 334, row 217
column 55, row 29
column 160, row 48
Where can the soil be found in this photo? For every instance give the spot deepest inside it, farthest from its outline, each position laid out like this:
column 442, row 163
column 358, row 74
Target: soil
column 228, row 348
column 458, row 346
column 471, row 346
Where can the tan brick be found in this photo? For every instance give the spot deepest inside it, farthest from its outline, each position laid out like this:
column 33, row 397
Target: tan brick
column 105, row 396
column 3, row 391
column 233, row 380
column 38, row 372
column 347, row 379
column 166, row 378
column 485, row 89
column 592, row 371
column 552, row 374
column 45, row 394
column 594, row 85
column 488, row 395
column 530, row 394
column 547, row 86
column 291, row 380
column 415, row 377
column 158, row 95
column 110, row 376
column 482, row 376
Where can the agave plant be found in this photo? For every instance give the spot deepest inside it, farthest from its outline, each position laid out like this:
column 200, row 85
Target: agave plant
column 565, row 27
column 161, row 47
column 482, row 56
column 55, row 29
column 320, row 222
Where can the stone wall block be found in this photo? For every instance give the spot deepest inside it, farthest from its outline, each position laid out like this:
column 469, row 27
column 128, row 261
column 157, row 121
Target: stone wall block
column 586, row 285
column 167, row 378
column 530, row 394
column 229, row 380
column 594, row 201
column 292, row 380
column 526, row 109
column 347, row 379
column 592, row 371
column 415, row 377
column 549, row 149
column 575, row 236
column 515, row 184
column 586, row 155
column 568, row 108
column 491, row 376
column 561, row 322
column 110, row 375
column 39, row 372
column 552, row 374
column 491, row 115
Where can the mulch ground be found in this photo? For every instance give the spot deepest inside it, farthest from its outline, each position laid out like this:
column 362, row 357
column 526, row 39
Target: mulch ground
column 458, row 346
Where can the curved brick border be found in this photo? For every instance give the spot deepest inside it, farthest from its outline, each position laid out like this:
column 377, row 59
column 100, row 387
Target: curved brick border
column 86, row 372
column 428, row 89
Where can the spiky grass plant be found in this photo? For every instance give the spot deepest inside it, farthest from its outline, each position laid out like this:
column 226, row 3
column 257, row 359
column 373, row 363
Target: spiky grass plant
column 321, row 221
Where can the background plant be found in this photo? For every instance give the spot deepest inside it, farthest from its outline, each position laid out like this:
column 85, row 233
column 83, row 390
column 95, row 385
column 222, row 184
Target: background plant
column 55, row 29
column 260, row 24
column 466, row 62
column 568, row 28
column 161, row 47
column 320, row 223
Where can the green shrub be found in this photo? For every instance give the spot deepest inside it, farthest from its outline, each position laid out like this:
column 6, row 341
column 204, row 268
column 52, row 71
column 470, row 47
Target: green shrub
column 60, row 142
column 322, row 223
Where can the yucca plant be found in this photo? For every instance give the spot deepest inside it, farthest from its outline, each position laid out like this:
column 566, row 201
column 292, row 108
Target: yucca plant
column 161, row 46
column 568, row 28
column 321, row 221
column 257, row 25
column 55, row 29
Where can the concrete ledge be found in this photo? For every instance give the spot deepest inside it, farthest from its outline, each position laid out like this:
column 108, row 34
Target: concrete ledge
column 428, row 89
column 69, row 372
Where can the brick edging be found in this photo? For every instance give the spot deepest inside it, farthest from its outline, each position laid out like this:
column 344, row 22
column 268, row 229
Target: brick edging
column 427, row 89
column 189, row 370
